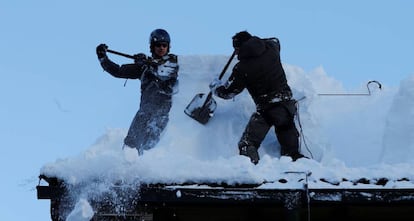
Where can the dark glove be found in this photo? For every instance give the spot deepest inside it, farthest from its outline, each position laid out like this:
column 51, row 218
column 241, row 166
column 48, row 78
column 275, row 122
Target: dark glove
column 140, row 58
column 101, row 51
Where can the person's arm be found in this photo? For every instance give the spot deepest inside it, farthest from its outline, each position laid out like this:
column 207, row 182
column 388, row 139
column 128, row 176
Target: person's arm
column 132, row 71
column 233, row 86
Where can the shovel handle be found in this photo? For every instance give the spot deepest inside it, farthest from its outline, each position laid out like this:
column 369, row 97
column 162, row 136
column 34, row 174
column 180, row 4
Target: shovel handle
column 120, row 53
column 210, row 94
column 208, row 98
column 227, row 65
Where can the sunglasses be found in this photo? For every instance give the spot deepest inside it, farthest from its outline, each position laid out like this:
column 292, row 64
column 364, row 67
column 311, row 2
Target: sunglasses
column 159, row 45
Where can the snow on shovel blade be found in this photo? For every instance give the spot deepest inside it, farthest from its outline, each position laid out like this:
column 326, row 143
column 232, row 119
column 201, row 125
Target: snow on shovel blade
column 201, row 108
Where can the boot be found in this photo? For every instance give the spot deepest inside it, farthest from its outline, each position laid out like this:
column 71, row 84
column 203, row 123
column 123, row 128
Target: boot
column 251, row 152
column 296, row 156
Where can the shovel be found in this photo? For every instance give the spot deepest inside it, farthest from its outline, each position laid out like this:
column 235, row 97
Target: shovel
column 202, row 107
column 120, row 53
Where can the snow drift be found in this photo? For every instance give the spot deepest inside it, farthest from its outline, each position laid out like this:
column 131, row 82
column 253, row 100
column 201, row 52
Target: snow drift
column 347, row 136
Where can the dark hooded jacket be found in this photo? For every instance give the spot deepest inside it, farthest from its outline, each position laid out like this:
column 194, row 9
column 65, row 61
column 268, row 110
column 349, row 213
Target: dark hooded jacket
column 260, row 71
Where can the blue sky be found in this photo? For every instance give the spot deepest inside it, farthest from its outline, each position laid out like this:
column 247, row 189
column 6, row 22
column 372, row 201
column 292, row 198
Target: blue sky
column 353, row 40
column 55, row 96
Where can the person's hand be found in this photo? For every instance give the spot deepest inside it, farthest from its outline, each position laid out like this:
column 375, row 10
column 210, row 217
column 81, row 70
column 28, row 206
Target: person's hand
column 215, row 84
column 140, row 58
column 101, row 51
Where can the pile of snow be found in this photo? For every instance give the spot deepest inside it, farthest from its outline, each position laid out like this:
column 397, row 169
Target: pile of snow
column 349, row 137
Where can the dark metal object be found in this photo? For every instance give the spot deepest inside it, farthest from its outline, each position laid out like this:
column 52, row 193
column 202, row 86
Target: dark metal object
column 357, row 94
column 120, row 53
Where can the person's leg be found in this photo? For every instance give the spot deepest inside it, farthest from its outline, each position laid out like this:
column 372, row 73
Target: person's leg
column 282, row 117
column 288, row 137
column 149, row 122
column 136, row 137
column 253, row 135
column 156, row 125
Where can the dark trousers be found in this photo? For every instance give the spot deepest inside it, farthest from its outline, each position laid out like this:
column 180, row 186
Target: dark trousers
column 149, row 122
column 279, row 115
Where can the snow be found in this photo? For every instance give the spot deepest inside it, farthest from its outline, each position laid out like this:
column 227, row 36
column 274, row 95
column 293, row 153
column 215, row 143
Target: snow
column 348, row 137
column 82, row 211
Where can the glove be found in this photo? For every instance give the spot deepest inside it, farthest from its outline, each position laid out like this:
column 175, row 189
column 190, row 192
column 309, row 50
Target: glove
column 101, row 51
column 140, row 58
column 215, row 84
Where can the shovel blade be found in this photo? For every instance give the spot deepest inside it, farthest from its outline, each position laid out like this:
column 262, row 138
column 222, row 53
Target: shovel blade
column 201, row 108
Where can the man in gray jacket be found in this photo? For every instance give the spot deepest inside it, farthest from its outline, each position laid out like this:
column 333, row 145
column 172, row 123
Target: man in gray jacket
column 159, row 81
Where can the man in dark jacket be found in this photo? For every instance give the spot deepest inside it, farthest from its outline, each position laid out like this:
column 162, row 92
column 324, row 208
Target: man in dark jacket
column 260, row 71
column 159, row 81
